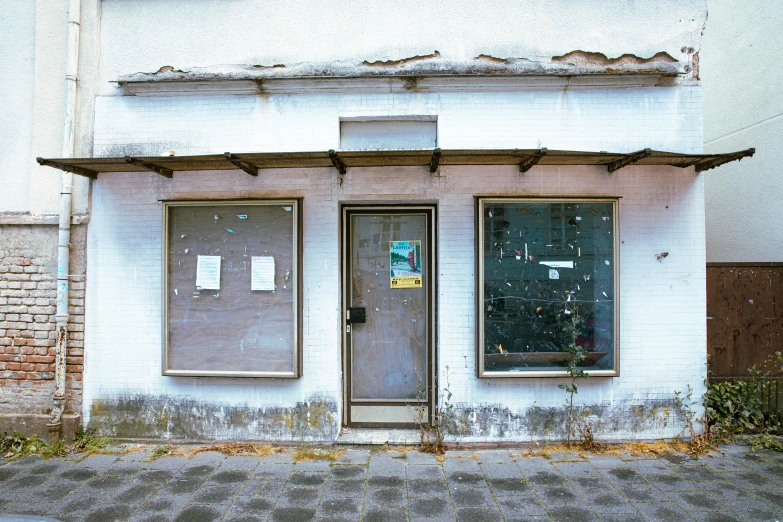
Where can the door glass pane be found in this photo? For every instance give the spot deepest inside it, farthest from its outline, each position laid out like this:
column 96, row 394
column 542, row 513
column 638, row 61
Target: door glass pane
column 389, row 256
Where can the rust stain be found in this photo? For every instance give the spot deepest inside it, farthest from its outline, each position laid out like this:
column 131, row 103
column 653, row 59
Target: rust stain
column 402, row 61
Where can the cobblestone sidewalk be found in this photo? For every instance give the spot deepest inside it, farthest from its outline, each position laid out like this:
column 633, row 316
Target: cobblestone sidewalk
column 371, row 485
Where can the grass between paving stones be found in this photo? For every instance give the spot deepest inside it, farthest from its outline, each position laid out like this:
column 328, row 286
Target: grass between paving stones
column 304, row 452
column 226, row 448
column 635, row 449
column 86, row 443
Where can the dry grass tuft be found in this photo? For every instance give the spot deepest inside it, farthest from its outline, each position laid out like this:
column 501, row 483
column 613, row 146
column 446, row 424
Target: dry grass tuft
column 234, row 448
column 440, row 458
column 634, row 449
column 306, row 453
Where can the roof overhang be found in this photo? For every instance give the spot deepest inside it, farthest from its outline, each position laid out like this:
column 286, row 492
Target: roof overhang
column 252, row 162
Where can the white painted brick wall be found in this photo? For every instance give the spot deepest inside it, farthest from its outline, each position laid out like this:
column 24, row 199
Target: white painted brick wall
column 662, row 325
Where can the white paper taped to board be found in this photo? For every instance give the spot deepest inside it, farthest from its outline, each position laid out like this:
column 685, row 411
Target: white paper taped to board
column 262, row 274
column 208, row 273
column 557, row 264
column 554, row 274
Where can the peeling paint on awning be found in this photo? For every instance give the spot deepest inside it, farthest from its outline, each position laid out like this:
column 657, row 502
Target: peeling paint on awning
column 252, row 162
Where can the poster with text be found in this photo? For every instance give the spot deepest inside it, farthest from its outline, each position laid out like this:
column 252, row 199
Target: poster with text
column 405, row 264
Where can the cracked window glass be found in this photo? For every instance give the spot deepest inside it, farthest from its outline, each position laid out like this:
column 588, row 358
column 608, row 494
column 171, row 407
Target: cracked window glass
column 232, row 289
column 548, row 284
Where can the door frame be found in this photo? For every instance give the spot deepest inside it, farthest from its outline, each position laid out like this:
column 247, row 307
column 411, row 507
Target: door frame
column 431, row 210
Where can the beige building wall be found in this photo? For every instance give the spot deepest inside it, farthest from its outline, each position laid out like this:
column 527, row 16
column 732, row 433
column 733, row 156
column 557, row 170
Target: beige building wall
column 743, row 107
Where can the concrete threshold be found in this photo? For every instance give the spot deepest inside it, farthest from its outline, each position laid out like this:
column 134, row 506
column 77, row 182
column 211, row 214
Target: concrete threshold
column 378, row 436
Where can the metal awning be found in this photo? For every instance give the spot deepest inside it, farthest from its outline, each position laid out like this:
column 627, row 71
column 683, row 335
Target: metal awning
column 252, row 162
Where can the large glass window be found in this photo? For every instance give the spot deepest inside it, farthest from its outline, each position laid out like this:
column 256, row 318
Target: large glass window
column 231, row 285
column 548, row 282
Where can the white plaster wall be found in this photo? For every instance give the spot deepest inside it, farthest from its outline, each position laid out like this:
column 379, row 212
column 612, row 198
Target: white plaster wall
column 743, row 108
column 662, row 329
column 33, row 44
column 145, row 36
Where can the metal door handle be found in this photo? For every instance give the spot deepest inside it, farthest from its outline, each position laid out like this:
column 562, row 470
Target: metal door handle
column 355, row 315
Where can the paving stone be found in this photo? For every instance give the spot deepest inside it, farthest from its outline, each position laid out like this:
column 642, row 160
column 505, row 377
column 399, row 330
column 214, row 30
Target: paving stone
column 507, row 487
column 671, row 483
column 772, row 471
column 695, row 501
column 422, row 458
column 46, row 468
column 122, row 469
column 265, row 470
column 576, row 469
column 726, row 491
column 462, row 478
column 642, row 493
column 622, row 475
column 29, row 508
column 110, row 513
column 605, row 461
column 463, row 464
column 135, row 493
column 772, row 497
column 155, row 476
column 724, row 464
column 240, row 462
column 347, row 472
column 248, row 509
column 312, row 465
column 431, row 508
column 197, row 470
column 698, row 473
column 306, row 479
column 344, row 488
column 663, row 512
column 212, row 458
column 467, row 497
column 182, row 485
column 345, row 508
column 557, row 495
column 51, row 492
column 714, row 516
column 385, row 515
column 591, row 485
column 386, row 467
column 233, row 476
column 214, row 494
column 546, row 478
column 571, row 514
column 172, row 463
column 622, row 517
column 169, row 505
column 78, row 474
column 77, row 503
column 529, row 465
column 354, row 456
column 509, row 470
column 478, row 514
column 609, row 502
column 385, row 482
column 198, row 513
column 752, row 510
column 104, row 483
column 427, row 488
column 517, row 507
column 750, row 480
column 425, row 472
column 97, row 461
column 650, row 467
column 300, row 497
column 386, row 497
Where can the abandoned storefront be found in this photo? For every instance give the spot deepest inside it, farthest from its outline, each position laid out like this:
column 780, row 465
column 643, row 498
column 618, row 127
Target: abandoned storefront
column 416, row 261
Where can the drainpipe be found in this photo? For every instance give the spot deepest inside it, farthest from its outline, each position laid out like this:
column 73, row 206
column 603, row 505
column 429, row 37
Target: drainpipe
column 64, row 238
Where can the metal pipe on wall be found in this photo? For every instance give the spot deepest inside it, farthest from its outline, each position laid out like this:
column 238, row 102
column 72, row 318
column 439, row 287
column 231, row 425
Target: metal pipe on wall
column 64, row 238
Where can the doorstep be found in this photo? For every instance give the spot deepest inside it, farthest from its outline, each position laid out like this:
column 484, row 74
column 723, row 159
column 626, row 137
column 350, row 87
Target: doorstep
column 378, row 436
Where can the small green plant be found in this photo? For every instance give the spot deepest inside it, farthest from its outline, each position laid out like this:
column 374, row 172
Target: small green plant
column 16, row 445
column 765, row 441
column 87, row 442
column 573, row 329
column 160, row 451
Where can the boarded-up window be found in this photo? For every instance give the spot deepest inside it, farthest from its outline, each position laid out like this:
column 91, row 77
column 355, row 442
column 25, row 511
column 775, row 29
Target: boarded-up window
column 548, row 282
column 232, row 289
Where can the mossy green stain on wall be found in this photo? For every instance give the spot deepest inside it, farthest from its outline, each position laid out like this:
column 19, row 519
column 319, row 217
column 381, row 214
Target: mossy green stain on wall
column 185, row 418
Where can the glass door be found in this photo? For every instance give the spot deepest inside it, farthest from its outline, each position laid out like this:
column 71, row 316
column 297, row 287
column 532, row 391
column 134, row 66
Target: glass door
column 388, row 316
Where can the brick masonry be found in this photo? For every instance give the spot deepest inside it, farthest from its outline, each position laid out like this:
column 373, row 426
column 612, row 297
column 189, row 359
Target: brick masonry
column 662, row 325
column 27, row 320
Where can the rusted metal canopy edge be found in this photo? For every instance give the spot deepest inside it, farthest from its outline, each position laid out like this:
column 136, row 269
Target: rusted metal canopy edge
column 91, row 167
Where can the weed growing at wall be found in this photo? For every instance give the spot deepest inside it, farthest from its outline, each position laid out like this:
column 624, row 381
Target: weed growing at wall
column 86, row 442
column 573, row 329
column 434, row 430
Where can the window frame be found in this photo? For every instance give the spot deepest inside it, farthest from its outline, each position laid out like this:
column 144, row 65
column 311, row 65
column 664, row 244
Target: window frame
column 480, row 204
column 296, row 280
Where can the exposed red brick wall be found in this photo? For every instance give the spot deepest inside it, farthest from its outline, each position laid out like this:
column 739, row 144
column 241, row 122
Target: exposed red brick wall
column 28, row 336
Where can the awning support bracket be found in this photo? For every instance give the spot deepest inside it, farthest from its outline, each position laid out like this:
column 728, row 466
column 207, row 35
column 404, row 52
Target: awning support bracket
column 242, row 164
column 531, row 161
column 69, row 168
column 435, row 161
column 627, row 160
column 166, row 173
column 338, row 164
column 711, row 164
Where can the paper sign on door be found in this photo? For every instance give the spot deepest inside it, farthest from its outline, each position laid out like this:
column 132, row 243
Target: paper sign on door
column 405, row 264
column 262, row 276
column 208, row 273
